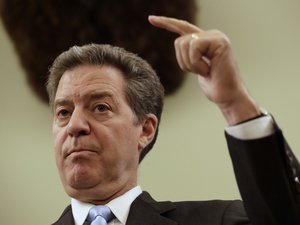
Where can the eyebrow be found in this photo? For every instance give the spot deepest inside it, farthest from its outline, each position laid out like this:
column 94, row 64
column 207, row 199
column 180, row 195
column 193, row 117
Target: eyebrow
column 98, row 95
column 61, row 101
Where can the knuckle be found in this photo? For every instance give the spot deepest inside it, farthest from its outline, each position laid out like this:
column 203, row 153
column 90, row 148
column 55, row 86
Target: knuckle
column 220, row 37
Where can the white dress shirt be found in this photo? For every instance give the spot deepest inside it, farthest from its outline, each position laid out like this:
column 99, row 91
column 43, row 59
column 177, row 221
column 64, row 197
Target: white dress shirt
column 120, row 207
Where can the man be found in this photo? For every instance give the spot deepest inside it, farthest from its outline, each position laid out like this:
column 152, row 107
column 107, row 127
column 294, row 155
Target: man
column 107, row 105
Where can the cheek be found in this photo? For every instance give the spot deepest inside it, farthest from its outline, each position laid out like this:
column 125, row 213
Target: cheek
column 58, row 140
column 128, row 143
column 126, row 137
column 119, row 143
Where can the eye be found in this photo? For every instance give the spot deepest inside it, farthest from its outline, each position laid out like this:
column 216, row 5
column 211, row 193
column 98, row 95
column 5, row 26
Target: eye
column 102, row 108
column 63, row 113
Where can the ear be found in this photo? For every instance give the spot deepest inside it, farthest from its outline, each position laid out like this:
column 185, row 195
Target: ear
column 149, row 127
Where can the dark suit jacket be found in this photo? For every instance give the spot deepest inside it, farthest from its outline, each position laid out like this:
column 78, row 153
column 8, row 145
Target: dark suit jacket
column 146, row 211
column 267, row 174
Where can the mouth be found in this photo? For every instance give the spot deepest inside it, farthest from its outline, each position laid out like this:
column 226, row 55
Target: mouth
column 79, row 151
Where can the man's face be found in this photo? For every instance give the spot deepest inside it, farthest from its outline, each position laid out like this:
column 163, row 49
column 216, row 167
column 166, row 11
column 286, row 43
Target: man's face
column 97, row 138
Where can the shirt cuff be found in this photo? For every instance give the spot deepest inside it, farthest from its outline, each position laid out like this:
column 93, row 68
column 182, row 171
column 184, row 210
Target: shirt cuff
column 253, row 129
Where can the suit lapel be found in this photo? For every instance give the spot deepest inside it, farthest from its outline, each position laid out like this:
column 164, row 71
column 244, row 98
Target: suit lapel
column 66, row 218
column 144, row 210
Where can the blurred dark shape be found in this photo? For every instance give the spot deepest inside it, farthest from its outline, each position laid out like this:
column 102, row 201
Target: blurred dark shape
column 40, row 30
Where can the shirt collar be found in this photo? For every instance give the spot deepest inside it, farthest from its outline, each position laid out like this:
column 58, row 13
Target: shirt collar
column 120, row 206
column 80, row 210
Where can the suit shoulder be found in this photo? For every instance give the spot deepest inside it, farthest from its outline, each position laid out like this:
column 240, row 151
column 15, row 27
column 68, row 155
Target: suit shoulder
column 214, row 212
column 209, row 212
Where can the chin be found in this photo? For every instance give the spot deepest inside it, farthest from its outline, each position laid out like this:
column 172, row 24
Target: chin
column 93, row 195
column 83, row 181
column 82, row 175
column 79, row 190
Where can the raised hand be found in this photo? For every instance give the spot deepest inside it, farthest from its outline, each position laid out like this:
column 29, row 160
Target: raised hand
column 209, row 55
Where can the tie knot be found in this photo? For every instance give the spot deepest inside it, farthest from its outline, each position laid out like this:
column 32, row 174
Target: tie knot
column 100, row 212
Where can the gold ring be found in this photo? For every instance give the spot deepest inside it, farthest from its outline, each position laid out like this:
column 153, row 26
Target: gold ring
column 195, row 36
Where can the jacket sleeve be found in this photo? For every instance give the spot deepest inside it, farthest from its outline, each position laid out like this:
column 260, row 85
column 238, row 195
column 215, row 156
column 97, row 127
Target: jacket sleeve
column 267, row 175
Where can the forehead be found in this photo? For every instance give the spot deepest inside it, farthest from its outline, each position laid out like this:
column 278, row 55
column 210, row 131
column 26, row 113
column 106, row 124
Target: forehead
column 85, row 79
column 86, row 73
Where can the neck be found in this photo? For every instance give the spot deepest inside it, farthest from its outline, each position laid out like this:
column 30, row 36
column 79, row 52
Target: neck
column 101, row 198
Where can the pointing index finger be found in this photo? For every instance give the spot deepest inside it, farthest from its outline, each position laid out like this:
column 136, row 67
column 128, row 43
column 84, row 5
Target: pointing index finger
column 174, row 25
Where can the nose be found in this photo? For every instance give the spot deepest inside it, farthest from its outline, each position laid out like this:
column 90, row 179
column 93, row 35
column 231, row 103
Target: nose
column 78, row 124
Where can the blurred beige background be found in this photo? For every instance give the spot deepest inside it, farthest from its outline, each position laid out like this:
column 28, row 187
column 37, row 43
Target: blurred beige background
column 190, row 160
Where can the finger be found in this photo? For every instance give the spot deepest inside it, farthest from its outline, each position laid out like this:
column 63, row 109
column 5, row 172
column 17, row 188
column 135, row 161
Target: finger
column 182, row 45
column 199, row 63
column 181, row 53
column 202, row 68
column 173, row 25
